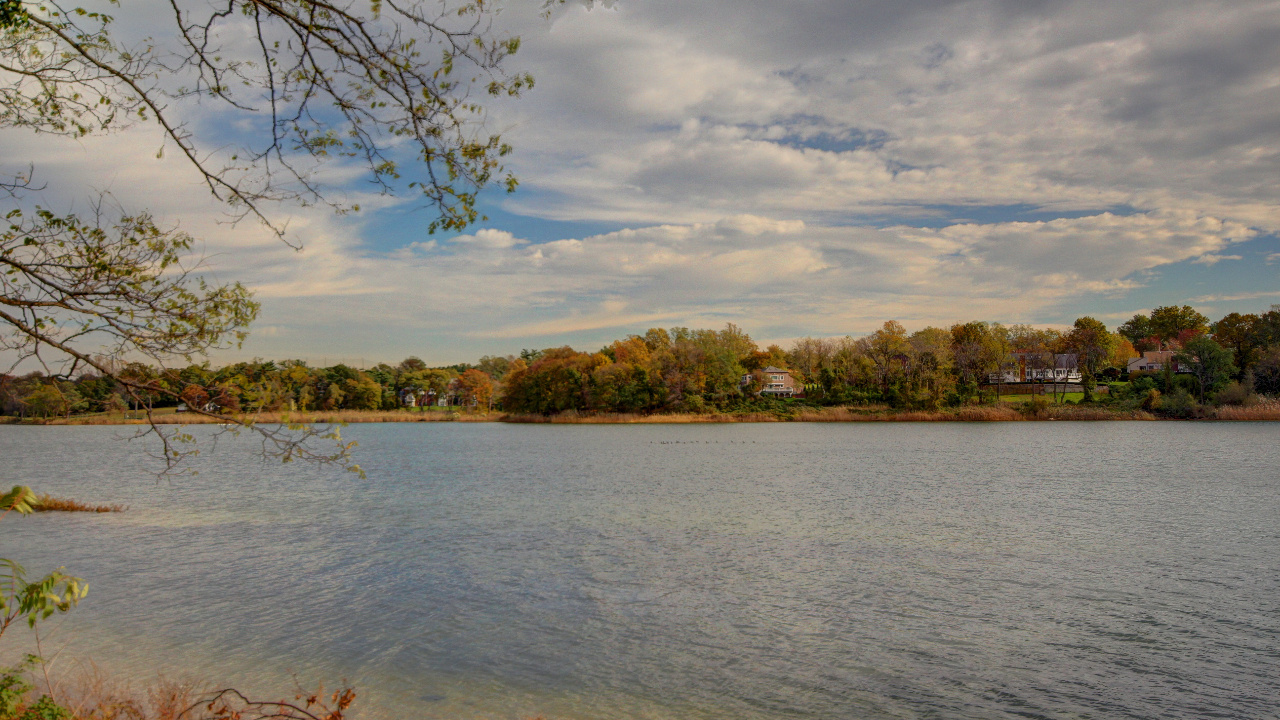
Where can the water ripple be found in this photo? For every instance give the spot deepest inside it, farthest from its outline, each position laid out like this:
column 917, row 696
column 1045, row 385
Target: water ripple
column 1100, row 570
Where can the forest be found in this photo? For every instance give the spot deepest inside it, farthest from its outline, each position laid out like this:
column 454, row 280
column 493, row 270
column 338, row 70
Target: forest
column 680, row 370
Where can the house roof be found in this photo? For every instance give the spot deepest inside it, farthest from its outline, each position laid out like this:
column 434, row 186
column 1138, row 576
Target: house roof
column 772, row 369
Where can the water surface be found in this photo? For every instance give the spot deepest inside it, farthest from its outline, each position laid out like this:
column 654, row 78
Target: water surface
column 946, row 570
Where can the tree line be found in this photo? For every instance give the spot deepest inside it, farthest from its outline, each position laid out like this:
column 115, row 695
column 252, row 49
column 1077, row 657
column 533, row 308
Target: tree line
column 699, row 370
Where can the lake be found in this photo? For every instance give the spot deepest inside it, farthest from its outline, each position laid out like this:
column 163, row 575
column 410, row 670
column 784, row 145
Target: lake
column 861, row 570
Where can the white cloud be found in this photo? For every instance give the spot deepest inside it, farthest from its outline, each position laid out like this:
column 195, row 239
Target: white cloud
column 484, row 238
column 776, row 278
column 1235, row 297
column 684, row 112
column 755, row 152
column 1214, row 259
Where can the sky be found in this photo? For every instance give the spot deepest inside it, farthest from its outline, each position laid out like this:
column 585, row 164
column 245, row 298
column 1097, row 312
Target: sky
column 797, row 168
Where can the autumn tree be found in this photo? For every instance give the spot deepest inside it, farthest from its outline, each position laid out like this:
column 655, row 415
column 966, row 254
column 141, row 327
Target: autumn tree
column 1090, row 340
column 976, row 348
column 888, row 348
column 1035, row 347
column 1265, row 373
column 475, row 387
column 1243, row 335
column 1268, row 327
column 559, row 380
column 1121, row 351
column 808, row 354
column 1091, row 343
column 496, row 366
column 412, row 364
column 1138, row 331
column 931, row 359
column 1171, row 322
column 1209, row 362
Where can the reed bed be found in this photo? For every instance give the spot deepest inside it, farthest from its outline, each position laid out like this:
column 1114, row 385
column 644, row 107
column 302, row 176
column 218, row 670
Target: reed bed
column 48, row 503
column 1263, row 410
column 984, row 413
column 273, row 418
column 1095, row 413
column 636, row 418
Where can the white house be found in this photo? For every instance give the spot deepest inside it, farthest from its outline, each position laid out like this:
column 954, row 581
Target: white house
column 1065, row 369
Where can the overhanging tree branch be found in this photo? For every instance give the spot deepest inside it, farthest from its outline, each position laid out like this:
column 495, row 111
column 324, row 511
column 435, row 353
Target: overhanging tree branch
column 346, row 82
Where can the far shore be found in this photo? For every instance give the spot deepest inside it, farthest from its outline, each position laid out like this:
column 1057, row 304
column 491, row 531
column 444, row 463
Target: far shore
column 980, row 413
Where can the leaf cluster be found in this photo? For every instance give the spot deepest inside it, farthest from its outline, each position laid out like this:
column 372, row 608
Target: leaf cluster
column 366, row 85
column 34, row 600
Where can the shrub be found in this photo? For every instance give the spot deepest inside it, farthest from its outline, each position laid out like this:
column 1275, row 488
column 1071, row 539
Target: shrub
column 1234, row 394
column 1037, row 406
column 13, row 693
column 1141, row 383
column 1151, row 400
column 693, row 404
column 13, row 689
column 45, row 709
column 1179, row 403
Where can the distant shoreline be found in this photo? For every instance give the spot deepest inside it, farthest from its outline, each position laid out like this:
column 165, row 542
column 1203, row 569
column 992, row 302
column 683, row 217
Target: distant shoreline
column 801, row 414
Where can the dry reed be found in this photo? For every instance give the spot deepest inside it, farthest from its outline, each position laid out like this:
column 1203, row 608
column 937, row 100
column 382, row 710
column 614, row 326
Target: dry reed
column 1262, row 410
column 837, row 414
column 274, row 418
column 94, row 696
column 48, row 503
column 84, row 692
column 636, row 418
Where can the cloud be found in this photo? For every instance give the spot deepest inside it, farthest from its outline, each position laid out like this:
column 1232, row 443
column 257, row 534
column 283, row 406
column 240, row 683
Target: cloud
column 484, row 238
column 683, row 112
column 776, row 277
column 793, row 170
column 1234, row 297
column 1214, row 259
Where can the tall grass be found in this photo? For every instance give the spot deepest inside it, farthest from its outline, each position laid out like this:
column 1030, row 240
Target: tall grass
column 1262, row 410
column 636, row 418
column 876, row 413
column 272, row 418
